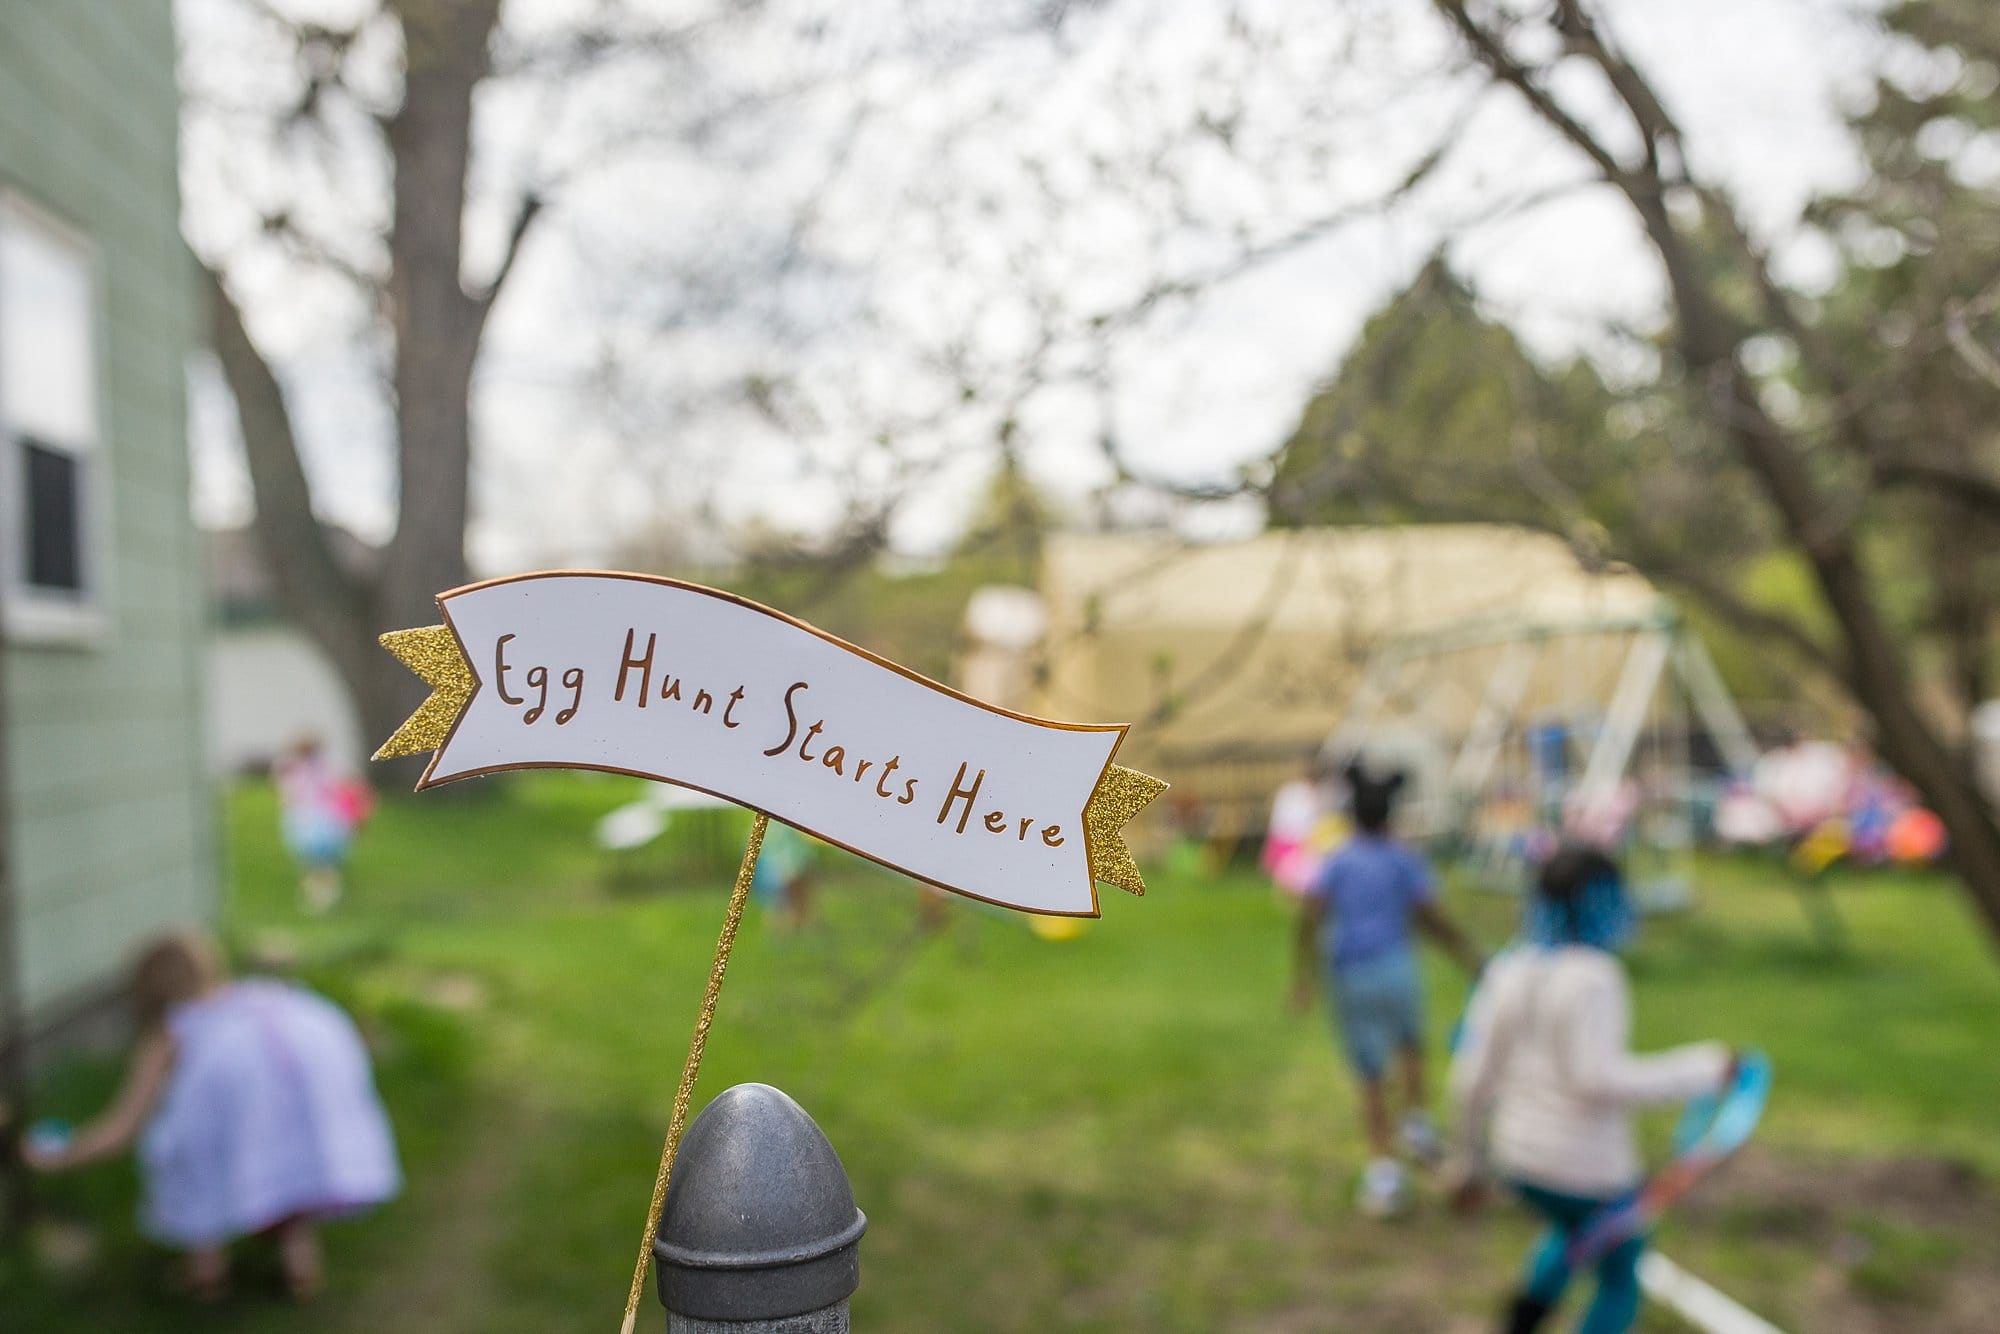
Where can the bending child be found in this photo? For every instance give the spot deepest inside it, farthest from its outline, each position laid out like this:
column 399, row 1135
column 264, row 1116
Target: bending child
column 1356, row 926
column 254, row 1111
column 1546, row 1085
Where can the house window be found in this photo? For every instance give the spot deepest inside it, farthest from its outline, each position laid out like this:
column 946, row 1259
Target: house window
column 51, row 565
column 55, row 529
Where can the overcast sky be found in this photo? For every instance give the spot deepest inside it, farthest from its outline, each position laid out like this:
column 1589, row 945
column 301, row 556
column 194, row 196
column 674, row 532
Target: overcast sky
column 851, row 238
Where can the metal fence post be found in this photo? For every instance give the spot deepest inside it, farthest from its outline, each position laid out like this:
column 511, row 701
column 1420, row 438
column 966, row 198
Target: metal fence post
column 759, row 1234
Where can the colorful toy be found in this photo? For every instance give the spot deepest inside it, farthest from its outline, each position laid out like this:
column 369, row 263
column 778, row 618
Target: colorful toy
column 1834, row 805
column 1712, row 1128
column 50, row 1136
column 1056, row 928
column 1821, row 848
column 1916, row 836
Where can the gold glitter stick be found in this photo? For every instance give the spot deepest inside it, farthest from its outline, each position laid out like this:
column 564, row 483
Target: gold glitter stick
column 685, row 1094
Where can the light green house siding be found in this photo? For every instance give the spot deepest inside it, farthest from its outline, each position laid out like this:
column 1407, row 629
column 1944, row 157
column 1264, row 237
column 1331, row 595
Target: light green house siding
column 111, row 826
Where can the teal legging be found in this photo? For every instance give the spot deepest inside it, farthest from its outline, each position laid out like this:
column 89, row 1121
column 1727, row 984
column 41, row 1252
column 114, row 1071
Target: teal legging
column 1616, row 1304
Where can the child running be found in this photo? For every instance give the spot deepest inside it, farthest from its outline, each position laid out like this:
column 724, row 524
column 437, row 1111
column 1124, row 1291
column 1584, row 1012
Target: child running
column 317, row 815
column 1546, row 1085
column 253, row 1109
column 1356, row 926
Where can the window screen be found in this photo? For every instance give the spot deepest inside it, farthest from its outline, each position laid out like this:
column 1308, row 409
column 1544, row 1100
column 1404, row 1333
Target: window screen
column 52, row 483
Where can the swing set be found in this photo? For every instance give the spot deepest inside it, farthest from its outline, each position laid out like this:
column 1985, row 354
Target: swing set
column 1617, row 729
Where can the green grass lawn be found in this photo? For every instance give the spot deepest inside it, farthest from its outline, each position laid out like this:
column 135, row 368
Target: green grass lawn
column 1122, row 1131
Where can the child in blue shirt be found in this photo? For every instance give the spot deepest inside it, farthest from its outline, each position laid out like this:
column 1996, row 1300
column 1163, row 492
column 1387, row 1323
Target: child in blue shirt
column 1356, row 926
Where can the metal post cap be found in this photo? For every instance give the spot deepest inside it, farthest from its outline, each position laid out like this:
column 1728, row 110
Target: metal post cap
column 759, row 1221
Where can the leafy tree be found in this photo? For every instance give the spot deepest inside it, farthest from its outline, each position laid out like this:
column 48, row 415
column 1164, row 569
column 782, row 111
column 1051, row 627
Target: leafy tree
column 1432, row 390
column 1438, row 412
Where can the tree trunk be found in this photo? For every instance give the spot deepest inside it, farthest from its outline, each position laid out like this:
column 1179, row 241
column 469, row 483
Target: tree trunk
column 1709, row 340
column 1951, row 790
column 330, row 604
column 437, row 326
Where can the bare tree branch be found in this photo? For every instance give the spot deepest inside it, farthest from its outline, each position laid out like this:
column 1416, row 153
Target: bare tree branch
column 1259, row 254
column 295, row 543
column 1974, row 490
column 1758, row 623
column 1492, row 53
column 1958, row 329
column 1582, row 35
column 302, row 244
column 525, row 214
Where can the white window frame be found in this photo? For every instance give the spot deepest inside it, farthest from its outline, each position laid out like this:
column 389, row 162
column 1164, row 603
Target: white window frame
column 33, row 616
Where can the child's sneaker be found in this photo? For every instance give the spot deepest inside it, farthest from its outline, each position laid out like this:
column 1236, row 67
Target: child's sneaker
column 1421, row 1139
column 1383, row 1189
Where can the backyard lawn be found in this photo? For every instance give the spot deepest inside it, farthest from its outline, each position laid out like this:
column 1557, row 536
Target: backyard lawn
column 1122, row 1131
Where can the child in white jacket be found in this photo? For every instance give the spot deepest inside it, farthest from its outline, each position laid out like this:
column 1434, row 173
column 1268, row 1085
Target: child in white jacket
column 1546, row 1086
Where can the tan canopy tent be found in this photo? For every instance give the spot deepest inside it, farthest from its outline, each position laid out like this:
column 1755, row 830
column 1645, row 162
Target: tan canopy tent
column 1234, row 660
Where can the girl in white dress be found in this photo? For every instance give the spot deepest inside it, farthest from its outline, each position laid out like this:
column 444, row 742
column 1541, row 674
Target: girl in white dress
column 253, row 1108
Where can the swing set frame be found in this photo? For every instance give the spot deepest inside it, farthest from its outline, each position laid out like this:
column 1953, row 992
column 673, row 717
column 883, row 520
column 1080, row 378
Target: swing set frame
column 1665, row 684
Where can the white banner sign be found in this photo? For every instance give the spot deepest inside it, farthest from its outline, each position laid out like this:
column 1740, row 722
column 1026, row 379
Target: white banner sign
column 688, row 685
